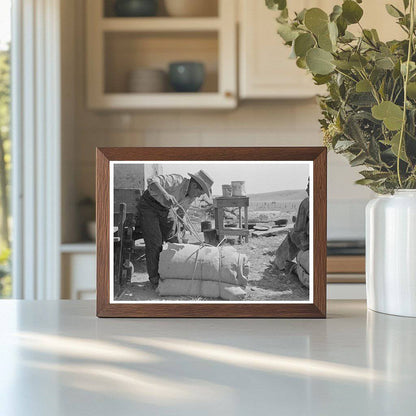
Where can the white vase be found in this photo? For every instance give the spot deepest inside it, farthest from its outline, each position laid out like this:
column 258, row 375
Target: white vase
column 391, row 253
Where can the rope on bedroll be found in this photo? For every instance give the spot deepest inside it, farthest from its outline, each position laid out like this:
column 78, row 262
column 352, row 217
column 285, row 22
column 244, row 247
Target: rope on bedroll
column 188, row 224
column 230, row 279
column 212, row 272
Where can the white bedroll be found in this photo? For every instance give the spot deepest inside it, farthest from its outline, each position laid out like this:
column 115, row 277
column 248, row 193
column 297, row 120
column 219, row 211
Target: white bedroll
column 206, row 271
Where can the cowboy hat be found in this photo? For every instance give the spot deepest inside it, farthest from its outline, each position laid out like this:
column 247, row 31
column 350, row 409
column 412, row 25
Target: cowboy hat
column 204, row 180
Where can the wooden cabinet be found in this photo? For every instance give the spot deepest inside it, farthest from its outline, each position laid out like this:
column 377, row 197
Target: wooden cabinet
column 78, row 263
column 118, row 45
column 265, row 70
column 346, row 269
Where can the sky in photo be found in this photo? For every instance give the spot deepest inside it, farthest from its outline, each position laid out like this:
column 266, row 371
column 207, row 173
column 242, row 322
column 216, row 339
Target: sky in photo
column 258, row 177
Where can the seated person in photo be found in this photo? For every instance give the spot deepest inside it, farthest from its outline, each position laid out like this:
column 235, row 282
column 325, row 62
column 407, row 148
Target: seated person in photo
column 157, row 220
column 296, row 245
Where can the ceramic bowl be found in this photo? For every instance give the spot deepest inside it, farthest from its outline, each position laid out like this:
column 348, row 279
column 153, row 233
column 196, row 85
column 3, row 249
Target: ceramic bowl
column 135, row 8
column 147, row 80
column 186, row 76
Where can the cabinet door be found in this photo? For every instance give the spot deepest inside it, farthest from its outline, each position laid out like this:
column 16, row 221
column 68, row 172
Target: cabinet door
column 78, row 276
column 265, row 68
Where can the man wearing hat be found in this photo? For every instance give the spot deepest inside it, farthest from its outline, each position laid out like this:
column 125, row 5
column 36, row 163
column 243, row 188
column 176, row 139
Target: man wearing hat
column 158, row 222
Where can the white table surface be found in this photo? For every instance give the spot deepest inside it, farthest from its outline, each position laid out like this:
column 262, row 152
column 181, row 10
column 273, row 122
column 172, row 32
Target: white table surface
column 57, row 358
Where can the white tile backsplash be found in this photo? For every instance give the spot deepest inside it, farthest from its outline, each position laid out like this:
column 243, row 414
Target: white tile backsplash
column 258, row 123
column 346, row 219
column 167, row 138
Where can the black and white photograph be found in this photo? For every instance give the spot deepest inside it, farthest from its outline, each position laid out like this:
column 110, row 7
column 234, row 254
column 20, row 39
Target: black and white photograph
column 211, row 231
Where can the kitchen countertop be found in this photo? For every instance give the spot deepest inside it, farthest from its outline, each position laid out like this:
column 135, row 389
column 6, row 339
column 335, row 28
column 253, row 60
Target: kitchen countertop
column 57, row 358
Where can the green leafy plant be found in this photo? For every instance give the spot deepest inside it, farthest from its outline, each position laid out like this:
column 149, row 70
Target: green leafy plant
column 369, row 113
column 5, row 145
column 5, row 279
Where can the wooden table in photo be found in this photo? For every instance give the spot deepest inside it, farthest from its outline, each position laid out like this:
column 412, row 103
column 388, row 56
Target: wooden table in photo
column 239, row 202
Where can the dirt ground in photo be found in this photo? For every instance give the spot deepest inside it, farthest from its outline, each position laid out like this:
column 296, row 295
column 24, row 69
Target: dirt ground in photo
column 264, row 282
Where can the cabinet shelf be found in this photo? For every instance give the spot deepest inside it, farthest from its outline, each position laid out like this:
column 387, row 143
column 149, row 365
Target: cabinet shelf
column 118, row 46
column 159, row 24
column 197, row 100
column 80, row 247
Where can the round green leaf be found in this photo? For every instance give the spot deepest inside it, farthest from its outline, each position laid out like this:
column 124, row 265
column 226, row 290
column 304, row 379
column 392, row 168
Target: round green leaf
column 393, row 11
column 394, row 144
column 321, row 79
column 303, row 43
column 333, row 32
column 324, row 42
column 385, row 63
column 327, row 40
column 358, row 160
column 336, row 12
column 301, row 63
column 358, row 61
column 351, row 11
column 411, row 90
column 319, row 61
column 300, row 16
column 391, row 114
column 403, row 65
column 284, row 14
column 363, row 86
column 286, row 32
column 347, row 37
column 276, row 4
column 364, row 181
column 368, row 35
column 342, row 64
column 396, row 70
column 375, row 35
column 342, row 25
column 316, row 20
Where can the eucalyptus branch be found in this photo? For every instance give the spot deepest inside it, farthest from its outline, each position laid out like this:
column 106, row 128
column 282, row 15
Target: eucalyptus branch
column 406, row 79
column 369, row 41
column 345, row 75
column 365, row 61
column 412, row 76
column 384, row 133
column 392, row 90
column 358, row 46
column 397, row 95
column 373, row 89
column 404, row 29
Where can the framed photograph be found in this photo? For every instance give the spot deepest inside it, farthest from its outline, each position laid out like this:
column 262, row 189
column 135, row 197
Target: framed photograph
column 211, row 232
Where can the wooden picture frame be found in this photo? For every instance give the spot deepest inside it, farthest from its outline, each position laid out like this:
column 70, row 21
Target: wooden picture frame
column 315, row 308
